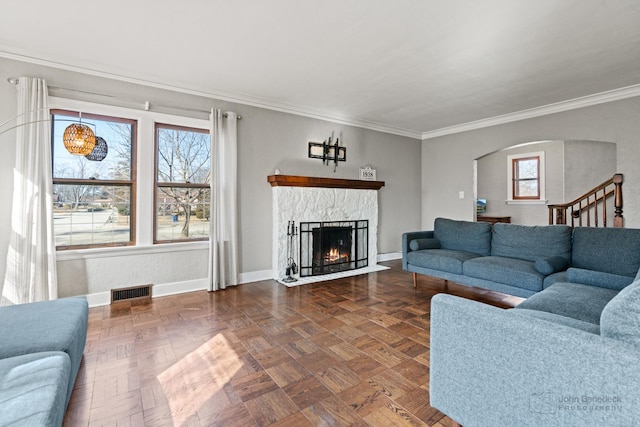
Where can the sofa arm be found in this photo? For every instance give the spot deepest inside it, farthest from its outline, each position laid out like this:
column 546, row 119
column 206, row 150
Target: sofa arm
column 407, row 238
column 490, row 366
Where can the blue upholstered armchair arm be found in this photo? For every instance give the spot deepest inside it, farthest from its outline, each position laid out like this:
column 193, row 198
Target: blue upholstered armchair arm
column 407, row 238
column 495, row 367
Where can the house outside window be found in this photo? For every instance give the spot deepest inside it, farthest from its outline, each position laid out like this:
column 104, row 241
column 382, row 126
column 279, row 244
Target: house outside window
column 83, row 229
column 94, row 201
column 526, row 178
column 182, row 184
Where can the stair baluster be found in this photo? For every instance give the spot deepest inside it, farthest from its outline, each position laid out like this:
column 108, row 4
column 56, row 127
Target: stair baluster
column 582, row 208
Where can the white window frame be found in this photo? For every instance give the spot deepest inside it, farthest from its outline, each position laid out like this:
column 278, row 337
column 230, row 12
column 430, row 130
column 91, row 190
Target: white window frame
column 145, row 170
column 510, row 159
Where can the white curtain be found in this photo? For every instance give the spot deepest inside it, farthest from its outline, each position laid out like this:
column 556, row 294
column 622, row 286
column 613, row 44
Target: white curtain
column 223, row 241
column 31, row 262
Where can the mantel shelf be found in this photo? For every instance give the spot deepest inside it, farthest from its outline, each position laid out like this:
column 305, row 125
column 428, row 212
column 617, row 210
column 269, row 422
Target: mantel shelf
column 310, row 181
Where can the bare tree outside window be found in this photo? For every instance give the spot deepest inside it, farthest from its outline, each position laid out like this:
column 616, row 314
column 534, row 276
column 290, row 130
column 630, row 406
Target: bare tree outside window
column 183, row 176
column 94, row 201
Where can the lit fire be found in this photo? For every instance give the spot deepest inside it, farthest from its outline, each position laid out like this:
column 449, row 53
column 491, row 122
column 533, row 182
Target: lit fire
column 335, row 256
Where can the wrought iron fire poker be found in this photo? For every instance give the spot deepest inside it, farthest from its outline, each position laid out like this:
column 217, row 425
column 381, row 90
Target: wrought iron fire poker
column 292, row 267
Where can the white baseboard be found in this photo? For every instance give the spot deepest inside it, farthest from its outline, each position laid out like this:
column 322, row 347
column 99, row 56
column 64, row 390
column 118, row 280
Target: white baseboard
column 165, row 289
column 99, row 299
column 255, row 276
column 179, row 287
column 104, row 298
column 390, row 256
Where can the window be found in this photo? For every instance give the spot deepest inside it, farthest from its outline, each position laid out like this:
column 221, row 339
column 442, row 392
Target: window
column 182, row 184
column 526, row 177
column 151, row 190
column 94, row 201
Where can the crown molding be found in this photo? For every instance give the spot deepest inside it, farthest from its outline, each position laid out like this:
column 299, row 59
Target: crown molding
column 223, row 96
column 571, row 104
column 558, row 107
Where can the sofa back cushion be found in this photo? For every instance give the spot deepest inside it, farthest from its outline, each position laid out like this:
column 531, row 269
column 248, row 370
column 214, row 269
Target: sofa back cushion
column 465, row 236
column 598, row 278
column 620, row 318
column 531, row 242
column 612, row 250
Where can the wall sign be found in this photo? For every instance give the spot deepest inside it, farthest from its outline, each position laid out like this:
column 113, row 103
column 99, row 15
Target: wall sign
column 367, row 174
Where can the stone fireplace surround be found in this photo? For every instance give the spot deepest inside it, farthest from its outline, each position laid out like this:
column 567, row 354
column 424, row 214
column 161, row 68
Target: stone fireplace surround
column 308, row 199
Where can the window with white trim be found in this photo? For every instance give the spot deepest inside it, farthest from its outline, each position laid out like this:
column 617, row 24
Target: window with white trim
column 525, row 176
column 94, row 200
column 183, row 176
column 103, row 187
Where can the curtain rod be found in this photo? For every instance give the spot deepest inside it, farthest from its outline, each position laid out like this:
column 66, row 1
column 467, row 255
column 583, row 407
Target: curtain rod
column 146, row 104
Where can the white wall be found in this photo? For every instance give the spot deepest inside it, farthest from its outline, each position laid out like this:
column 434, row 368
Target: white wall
column 572, row 168
column 267, row 140
column 492, row 182
column 447, row 161
column 587, row 164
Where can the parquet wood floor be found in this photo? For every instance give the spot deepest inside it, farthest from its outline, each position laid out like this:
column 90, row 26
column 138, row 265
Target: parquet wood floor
column 353, row 351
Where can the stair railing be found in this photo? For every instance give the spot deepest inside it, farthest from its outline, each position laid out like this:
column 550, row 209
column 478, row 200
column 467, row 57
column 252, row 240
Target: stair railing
column 592, row 204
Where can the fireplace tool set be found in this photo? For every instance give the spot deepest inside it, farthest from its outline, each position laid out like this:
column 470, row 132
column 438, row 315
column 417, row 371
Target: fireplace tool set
column 292, row 267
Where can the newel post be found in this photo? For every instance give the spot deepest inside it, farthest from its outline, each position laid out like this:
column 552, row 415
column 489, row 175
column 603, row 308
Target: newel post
column 618, row 219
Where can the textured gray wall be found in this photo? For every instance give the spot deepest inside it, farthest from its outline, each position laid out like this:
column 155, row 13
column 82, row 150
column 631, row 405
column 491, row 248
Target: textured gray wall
column 447, row 161
column 492, row 183
column 587, row 164
column 267, row 140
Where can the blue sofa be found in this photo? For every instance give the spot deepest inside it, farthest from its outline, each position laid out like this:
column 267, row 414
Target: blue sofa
column 521, row 260
column 566, row 356
column 41, row 346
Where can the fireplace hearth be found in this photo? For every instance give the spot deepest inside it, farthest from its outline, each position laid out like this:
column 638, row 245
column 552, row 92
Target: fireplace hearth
column 333, row 246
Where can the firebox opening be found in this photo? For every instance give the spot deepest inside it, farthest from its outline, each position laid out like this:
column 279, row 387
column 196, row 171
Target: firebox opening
column 331, row 247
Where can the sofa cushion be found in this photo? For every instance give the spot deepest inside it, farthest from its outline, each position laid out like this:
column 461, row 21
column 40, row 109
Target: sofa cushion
column 611, row 250
column 474, row 237
column 418, row 244
column 554, row 278
column 440, row 259
column 33, row 389
column 58, row 325
column 620, row 318
column 561, row 320
column 550, row 265
column 531, row 242
column 510, row 271
column 598, row 278
column 574, row 300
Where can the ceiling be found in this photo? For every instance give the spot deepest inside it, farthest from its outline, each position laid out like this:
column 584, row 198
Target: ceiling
column 419, row 68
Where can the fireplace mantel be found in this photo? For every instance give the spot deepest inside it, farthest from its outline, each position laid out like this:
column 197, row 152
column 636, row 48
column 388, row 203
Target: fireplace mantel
column 310, row 181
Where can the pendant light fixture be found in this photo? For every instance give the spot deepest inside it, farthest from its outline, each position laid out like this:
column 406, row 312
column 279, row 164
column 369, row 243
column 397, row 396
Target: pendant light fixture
column 79, row 139
column 99, row 151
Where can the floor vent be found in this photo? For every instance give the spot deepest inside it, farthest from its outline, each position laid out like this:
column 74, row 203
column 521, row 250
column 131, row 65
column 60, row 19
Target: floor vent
column 137, row 293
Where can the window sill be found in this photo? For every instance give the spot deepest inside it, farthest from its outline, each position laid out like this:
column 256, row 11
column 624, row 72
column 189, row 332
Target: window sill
column 526, row 202
column 76, row 254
